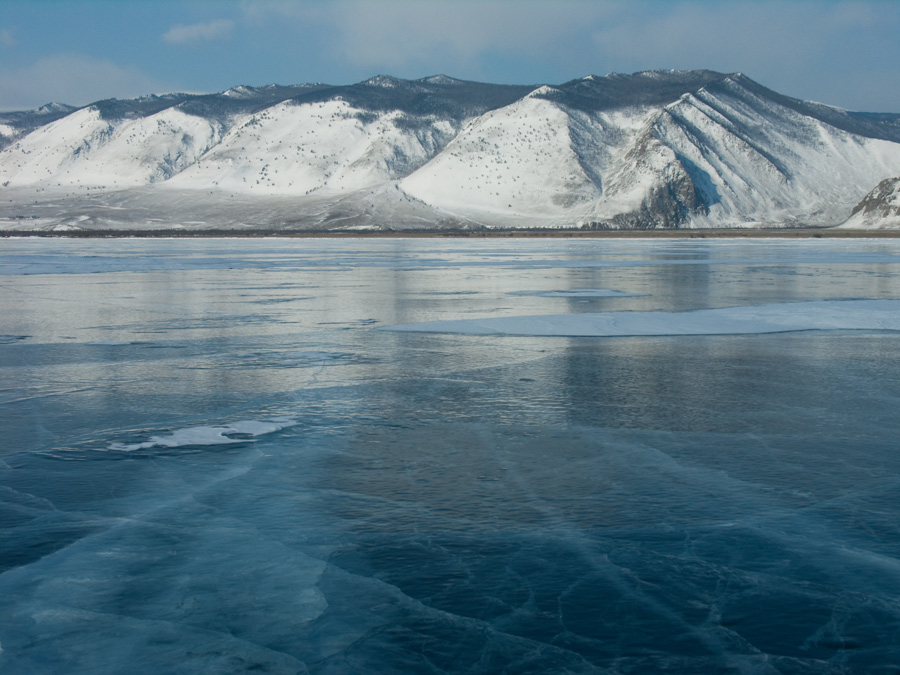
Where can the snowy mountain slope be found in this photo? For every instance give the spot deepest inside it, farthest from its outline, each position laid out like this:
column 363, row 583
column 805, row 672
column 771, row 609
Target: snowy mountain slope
column 233, row 104
column 499, row 163
column 405, row 122
column 726, row 155
column 880, row 209
column 558, row 154
column 114, row 144
column 721, row 155
column 647, row 187
column 649, row 89
column 649, row 150
column 16, row 124
column 438, row 96
column 83, row 150
column 340, row 139
column 884, row 126
column 754, row 159
column 300, row 149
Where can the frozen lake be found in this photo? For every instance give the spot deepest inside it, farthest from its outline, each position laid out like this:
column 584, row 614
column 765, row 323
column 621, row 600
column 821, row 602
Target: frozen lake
column 449, row 456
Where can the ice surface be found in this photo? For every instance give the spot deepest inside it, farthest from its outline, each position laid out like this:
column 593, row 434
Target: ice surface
column 580, row 293
column 775, row 318
column 317, row 356
column 28, row 257
column 264, row 481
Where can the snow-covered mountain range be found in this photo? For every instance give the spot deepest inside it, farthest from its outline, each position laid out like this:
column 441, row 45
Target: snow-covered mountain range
column 673, row 149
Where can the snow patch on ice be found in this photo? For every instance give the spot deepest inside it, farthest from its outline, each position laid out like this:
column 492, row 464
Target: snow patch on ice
column 236, row 432
column 773, row 318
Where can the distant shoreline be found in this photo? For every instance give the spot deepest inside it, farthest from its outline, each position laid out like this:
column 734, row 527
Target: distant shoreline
column 771, row 233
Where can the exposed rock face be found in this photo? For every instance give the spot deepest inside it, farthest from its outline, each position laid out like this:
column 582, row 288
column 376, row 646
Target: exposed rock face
column 882, row 201
column 670, row 204
column 879, row 209
column 672, row 149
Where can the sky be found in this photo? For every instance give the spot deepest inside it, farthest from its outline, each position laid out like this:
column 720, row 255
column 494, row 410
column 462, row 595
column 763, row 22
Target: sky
column 844, row 53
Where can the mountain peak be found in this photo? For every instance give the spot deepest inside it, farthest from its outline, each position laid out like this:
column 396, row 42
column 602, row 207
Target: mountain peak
column 240, row 91
column 543, row 91
column 54, row 108
column 385, row 81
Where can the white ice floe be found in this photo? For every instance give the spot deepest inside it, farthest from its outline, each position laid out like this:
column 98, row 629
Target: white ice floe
column 236, row 432
column 580, row 293
column 773, row 318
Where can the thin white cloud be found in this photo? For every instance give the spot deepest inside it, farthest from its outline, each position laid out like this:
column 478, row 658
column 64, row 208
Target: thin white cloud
column 7, row 39
column 74, row 79
column 180, row 34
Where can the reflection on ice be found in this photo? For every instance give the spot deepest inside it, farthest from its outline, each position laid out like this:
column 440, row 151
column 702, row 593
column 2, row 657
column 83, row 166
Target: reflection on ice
column 780, row 318
column 580, row 293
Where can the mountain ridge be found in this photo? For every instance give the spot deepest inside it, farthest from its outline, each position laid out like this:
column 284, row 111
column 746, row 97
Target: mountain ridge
column 650, row 150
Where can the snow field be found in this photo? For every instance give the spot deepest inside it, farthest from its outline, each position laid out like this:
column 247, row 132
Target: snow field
column 515, row 160
column 323, row 148
column 83, row 150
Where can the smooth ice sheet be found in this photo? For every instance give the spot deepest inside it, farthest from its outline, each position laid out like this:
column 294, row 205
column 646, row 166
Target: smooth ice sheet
column 259, row 481
column 580, row 293
column 773, row 318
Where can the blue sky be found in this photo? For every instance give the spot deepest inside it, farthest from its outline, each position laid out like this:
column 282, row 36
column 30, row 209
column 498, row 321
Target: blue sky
column 78, row 51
